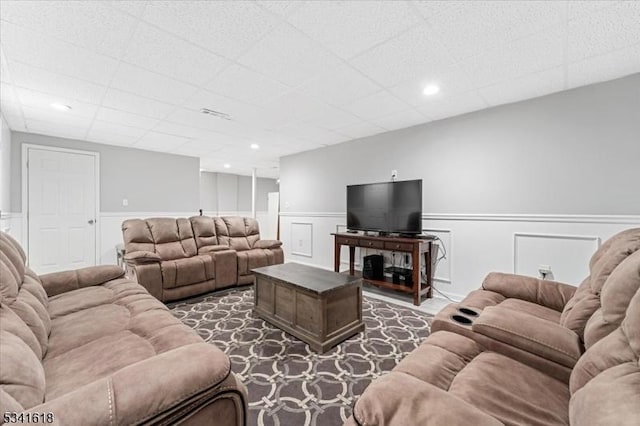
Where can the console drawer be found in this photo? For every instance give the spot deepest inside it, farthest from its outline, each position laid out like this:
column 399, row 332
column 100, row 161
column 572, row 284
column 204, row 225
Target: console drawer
column 347, row 241
column 371, row 244
column 390, row 245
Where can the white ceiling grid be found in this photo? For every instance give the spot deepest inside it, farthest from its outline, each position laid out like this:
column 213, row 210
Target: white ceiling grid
column 293, row 75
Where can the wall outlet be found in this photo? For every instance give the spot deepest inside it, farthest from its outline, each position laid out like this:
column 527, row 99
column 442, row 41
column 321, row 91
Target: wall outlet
column 545, row 272
column 394, row 174
column 125, row 202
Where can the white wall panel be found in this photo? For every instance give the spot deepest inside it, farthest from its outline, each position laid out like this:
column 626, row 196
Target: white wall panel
column 478, row 245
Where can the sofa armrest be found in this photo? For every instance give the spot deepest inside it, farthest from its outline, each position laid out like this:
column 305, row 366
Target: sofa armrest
column 61, row 282
column 164, row 388
column 267, row 244
column 212, row 249
column 149, row 276
column 142, row 257
column 388, row 401
column 534, row 335
column 552, row 294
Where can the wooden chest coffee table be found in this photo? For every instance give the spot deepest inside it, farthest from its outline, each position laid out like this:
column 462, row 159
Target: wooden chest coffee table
column 319, row 307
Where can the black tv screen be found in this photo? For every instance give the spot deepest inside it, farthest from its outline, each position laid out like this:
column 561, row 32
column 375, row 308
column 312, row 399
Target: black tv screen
column 385, row 207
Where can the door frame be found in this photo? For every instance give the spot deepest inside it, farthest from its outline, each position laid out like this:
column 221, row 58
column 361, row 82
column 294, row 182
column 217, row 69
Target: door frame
column 25, row 192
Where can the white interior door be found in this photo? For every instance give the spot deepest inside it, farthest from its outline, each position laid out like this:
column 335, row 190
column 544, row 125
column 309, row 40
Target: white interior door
column 61, row 210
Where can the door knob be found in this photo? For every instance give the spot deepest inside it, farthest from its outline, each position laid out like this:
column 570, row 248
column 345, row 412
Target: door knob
column 91, row 221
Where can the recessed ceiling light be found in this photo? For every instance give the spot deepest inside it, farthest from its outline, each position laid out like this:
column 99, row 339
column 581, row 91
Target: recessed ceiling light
column 431, row 89
column 60, row 107
column 227, row 166
column 255, row 146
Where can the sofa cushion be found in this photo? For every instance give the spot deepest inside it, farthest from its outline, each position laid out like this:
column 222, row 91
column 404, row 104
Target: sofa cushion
column 192, row 270
column 21, row 375
column 255, row 258
column 204, row 231
column 173, row 237
column 239, row 233
column 137, row 236
column 133, row 326
column 532, row 309
column 617, row 293
column 587, row 298
column 605, row 383
column 512, row 392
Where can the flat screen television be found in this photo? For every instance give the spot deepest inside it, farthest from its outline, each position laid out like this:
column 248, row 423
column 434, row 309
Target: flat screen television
column 386, row 207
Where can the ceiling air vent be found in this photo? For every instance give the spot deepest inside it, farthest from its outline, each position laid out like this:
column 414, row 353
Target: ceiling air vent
column 218, row 114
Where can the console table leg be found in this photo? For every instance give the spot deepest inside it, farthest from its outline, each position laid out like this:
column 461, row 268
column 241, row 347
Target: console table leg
column 336, row 256
column 352, row 255
column 429, row 268
column 417, row 279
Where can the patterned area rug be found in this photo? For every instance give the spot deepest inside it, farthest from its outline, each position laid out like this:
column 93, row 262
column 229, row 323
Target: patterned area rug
column 288, row 383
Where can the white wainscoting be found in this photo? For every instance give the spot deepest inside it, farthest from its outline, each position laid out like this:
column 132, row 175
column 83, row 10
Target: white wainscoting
column 11, row 223
column 564, row 254
column 477, row 244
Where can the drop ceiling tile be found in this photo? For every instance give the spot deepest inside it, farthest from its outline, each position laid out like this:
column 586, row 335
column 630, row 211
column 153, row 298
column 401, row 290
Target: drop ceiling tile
column 12, row 113
column 289, row 56
column 213, row 144
column 69, row 129
column 281, row 7
column 360, row 130
column 33, row 99
column 294, row 106
column 240, row 112
column 348, row 28
column 609, row 29
column 604, row 67
column 117, row 99
column 241, row 83
column 402, row 119
column 332, row 118
column 188, row 117
column 376, row 105
column 109, row 138
column 4, row 68
column 577, row 9
column 132, row 7
column 92, row 25
column 125, row 118
column 450, row 80
column 155, row 141
column 184, row 131
column 117, row 129
column 453, row 105
column 340, row 85
column 151, row 85
column 41, row 80
column 54, row 118
column 529, row 86
column 405, row 57
column 225, row 28
column 470, row 27
column 169, row 55
column 306, row 135
column 26, row 46
column 525, row 56
column 7, row 93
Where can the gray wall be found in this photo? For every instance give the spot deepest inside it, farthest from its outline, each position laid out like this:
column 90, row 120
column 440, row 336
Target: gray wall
column 151, row 181
column 574, row 152
column 226, row 192
column 5, row 168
